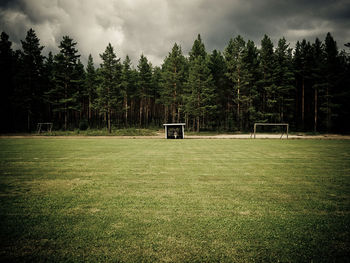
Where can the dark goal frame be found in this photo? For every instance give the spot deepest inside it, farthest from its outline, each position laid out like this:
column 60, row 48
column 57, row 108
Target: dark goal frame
column 272, row 124
column 41, row 125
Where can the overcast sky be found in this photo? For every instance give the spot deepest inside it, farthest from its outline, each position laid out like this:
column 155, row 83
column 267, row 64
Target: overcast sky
column 152, row 27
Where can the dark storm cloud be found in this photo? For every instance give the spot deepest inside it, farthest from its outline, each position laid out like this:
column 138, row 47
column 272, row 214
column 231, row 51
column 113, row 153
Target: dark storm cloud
column 152, row 27
column 294, row 20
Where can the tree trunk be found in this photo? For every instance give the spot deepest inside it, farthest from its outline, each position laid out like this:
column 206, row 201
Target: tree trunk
column 328, row 117
column 165, row 114
column 296, row 106
column 238, row 104
column 198, row 121
column 132, row 113
column 147, row 111
column 81, row 112
column 141, row 111
column 228, row 108
column 303, row 103
column 173, row 112
column 109, row 120
column 65, row 118
column 198, row 116
column 282, row 111
column 65, row 107
column 89, row 110
column 174, row 103
column 315, row 117
column 126, row 109
column 28, row 120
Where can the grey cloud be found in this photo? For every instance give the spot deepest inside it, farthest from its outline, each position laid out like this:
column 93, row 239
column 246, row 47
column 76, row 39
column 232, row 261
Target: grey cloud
column 9, row 3
column 293, row 19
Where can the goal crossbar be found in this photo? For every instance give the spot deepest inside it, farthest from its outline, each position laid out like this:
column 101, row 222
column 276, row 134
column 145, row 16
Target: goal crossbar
column 271, row 124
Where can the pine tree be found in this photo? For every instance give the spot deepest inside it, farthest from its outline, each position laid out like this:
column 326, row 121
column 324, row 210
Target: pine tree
column 217, row 66
column 173, row 79
column 250, row 77
column 109, row 89
column 91, row 87
column 284, row 80
column 302, row 64
column 233, row 55
column 81, row 96
column 65, row 90
column 267, row 87
column 126, row 87
column 200, row 95
column 157, row 107
column 332, row 74
column 318, row 80
column 29, row 94
column 342, row 123
column 49, row 84
column 198, row 49
column 144, row 89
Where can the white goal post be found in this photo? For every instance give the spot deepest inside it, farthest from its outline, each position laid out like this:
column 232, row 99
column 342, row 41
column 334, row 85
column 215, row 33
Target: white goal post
column 44, row 126
column 272, row 124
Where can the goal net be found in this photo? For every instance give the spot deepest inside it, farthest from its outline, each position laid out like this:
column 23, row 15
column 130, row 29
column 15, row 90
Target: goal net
column 279, row 129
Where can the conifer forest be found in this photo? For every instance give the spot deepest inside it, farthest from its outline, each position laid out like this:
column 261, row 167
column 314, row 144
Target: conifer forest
column 307, row 86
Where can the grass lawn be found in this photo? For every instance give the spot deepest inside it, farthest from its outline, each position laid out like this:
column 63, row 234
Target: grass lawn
column 156, row 200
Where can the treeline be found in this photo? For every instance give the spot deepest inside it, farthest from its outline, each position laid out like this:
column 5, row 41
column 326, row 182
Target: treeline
column 308, row 87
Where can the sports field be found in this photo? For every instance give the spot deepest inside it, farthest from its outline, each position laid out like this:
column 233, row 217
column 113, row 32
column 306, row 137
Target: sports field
column 157, row 200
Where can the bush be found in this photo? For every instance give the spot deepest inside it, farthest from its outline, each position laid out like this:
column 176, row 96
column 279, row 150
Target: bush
column 83, row 125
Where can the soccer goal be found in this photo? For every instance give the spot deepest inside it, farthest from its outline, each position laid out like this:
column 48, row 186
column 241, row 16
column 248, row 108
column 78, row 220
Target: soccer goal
column 44, row 127
column 284, row 126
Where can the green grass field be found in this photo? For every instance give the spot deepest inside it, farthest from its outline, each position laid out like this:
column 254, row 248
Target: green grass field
column 156, row 200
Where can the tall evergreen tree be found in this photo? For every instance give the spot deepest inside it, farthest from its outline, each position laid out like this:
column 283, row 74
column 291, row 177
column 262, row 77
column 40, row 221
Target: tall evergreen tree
column 173, row 79
column 49, row 83
column 29, row 93
column 318, row 80
column 200, row 97
column 250, row 77
column 144, row 89
column 267, row 87
column 217, row 66
column 233, row 55
column 343, row 125
column 81, row 96
column 284, row 80
column 65, row 90
column 302, row 64
column 198, row 49
column 91, row 87
column 109, row 90
column 126, row 86
column 157, row 108
column 332, row 75
column 134, row 97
